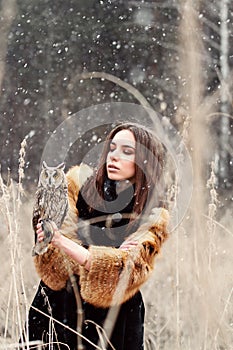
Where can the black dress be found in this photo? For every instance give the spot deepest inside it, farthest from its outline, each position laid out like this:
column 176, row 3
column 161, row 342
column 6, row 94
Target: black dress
column 61, row 305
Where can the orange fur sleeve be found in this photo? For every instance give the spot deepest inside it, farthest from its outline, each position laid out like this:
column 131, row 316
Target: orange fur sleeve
column 116, row 275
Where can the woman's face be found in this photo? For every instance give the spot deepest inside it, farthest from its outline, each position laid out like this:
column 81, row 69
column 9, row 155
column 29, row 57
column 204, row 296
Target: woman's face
column 120, row 161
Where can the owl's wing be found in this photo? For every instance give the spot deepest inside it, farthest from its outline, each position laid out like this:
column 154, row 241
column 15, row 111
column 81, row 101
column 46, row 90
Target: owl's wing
column 38, row 211
column 64, row 212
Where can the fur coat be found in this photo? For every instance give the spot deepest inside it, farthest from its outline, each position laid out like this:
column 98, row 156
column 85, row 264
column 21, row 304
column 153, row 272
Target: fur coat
column 115, row 275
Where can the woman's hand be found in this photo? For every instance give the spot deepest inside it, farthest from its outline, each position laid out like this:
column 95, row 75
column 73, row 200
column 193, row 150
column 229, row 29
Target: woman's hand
column 127, row 245
column 41, row 234
column 73, row 249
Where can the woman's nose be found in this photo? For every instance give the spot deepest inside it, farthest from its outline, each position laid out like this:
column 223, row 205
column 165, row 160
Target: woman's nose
column 114, row 154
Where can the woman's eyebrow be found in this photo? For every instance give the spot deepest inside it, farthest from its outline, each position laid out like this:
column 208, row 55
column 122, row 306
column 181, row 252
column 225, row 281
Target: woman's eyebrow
column 126, row 145
column 129, row 146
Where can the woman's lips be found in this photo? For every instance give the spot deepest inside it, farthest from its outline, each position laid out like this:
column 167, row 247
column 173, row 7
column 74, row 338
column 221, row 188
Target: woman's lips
column 112, row 167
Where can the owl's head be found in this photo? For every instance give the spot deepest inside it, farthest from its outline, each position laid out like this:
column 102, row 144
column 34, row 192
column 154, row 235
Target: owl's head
column 52, row 177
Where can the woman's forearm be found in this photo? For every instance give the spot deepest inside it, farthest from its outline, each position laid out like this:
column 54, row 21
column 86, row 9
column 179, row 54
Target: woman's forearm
column 74, row 250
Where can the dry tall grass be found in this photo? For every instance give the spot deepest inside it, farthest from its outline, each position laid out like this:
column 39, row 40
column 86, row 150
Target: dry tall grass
column 188, row 298
column 16, row 263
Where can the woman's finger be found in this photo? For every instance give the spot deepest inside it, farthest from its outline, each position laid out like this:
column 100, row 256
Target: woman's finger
column 39, row 225
column 40, row 236
column 39, row 231
column 128, row 245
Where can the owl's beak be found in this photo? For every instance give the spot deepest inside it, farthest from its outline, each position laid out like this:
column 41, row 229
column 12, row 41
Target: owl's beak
column 51, row 185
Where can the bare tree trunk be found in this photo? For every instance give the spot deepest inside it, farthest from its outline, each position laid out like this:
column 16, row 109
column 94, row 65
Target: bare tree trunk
column 225, row 108
column 7, row 15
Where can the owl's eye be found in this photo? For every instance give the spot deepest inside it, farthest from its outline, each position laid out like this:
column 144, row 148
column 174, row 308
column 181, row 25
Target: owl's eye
column 55, row 175
column 46, row 175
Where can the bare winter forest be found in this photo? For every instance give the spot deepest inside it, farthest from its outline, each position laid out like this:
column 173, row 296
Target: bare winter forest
column 173, row 58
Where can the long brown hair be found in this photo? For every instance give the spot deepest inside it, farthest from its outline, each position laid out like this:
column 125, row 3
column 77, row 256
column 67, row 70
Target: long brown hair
column 149, row 159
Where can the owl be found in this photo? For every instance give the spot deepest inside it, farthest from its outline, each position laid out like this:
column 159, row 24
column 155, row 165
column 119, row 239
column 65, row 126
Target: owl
column 51, row 203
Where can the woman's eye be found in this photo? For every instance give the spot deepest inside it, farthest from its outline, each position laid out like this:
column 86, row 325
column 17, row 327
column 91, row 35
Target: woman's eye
column 128, row 152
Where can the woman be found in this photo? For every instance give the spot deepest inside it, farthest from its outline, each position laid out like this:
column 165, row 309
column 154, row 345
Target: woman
column 110, row 256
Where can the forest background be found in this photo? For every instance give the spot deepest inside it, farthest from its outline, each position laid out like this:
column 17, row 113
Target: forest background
column 176, row 57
